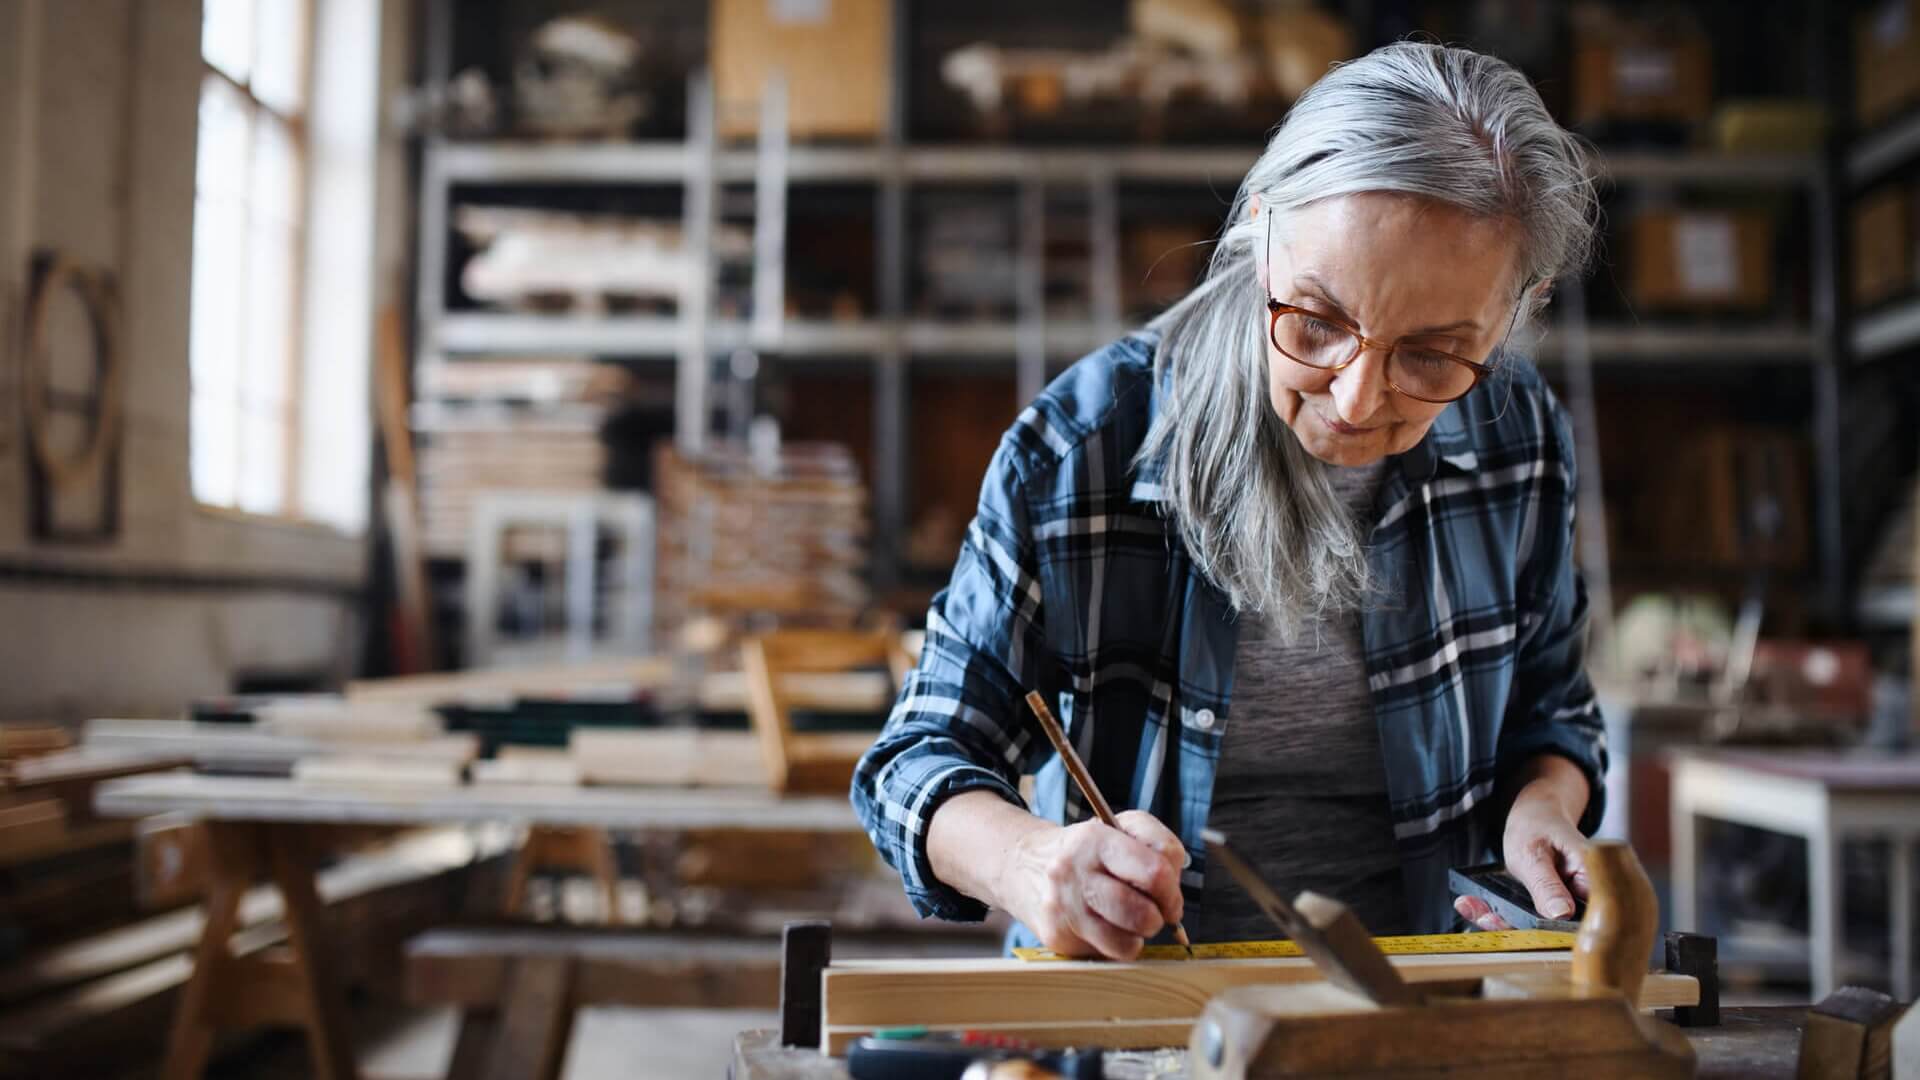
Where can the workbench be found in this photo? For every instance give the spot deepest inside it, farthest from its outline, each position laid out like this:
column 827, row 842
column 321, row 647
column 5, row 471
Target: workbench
column 271, row 827
column 1827, row 798
column 1749, row 1044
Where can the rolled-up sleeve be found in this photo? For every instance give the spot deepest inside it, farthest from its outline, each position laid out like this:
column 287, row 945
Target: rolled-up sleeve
column 956, row 724
column 1553, row 709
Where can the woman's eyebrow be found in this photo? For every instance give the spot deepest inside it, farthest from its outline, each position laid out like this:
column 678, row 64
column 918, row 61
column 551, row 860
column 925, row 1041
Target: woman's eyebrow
column 1469, row 325
column 1312, row 282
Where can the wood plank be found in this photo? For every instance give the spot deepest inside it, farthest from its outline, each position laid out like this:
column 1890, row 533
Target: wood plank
column 44, row 843
column 532, row 1040
column 526, row 765
column 887, row 993
column 631, row 677
column 813, row 691
column 667, row 756
column 341, row 720
column 32, row 826
column 369, row 770
column 208, row 743
column 238, row 798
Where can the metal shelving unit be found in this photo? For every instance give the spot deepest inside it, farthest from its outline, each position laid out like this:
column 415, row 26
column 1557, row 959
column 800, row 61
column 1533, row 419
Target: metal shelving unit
column 1030, row 344
column 1895, row 328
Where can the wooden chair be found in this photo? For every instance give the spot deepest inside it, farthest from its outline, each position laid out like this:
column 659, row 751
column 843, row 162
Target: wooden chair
column 808, row 762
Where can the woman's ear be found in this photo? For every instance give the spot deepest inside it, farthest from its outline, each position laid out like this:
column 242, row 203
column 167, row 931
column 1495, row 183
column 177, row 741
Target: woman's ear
column 1253, row 207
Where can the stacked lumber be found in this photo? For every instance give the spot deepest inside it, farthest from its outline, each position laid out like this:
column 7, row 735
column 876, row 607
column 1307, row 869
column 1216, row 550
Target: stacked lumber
column 276, row 742
column 80, row 1008
column 786, row 534
column 467, row 450
column 21, row 741
column 62, row 869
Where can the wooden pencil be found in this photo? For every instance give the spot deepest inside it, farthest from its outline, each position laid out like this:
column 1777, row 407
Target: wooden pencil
column 1088, row 789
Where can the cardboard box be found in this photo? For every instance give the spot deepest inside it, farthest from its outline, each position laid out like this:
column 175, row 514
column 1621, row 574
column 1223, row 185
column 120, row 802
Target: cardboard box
column 1702, row 260
column 1633, row 71
column 1883, row 245
column 1886, row 60
column 836, row 55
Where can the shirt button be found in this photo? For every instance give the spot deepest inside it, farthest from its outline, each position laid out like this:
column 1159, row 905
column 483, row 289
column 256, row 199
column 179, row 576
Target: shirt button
column 1203, row 719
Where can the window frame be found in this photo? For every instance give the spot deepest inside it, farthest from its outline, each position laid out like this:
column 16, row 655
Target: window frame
column 290, row 421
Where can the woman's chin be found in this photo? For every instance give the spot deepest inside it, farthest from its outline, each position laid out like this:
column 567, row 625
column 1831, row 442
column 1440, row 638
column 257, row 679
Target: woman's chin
column 1346, row 451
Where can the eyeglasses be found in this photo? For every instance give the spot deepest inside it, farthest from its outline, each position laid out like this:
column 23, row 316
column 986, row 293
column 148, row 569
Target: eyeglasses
column 1329, row 343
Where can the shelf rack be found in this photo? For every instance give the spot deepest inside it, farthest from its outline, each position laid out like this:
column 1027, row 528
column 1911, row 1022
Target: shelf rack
column 1030, row 342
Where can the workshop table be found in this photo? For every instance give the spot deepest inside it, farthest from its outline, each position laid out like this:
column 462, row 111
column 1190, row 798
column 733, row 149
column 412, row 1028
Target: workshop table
column 1827, row 798
column 274, row 827
column 1748, row 1044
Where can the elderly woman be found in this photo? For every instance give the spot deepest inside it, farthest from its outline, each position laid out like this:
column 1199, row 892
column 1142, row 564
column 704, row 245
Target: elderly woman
column 1295, row 562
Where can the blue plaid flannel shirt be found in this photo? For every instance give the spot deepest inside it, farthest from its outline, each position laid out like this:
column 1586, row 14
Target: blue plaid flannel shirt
column 1072, row 580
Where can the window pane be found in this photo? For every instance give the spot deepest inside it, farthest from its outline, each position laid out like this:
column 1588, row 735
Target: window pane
column 225, row 119
column 216, row 436
column 263, row 448
column 280, row 53
column 219, row 296
column 276, row 173
column 226, row 36
column 269, row 317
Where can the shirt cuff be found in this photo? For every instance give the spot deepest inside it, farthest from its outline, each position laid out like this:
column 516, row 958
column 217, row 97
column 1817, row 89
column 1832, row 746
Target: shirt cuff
column 932, row 898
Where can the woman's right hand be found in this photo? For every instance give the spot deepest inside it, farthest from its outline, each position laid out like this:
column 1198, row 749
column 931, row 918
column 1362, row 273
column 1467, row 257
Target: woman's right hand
column 1089, row 889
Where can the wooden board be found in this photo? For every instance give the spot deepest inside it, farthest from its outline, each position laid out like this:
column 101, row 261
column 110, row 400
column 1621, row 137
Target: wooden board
column 344, row 721
column 990, row 993
column 668, row 756
column 626, row 679
column 207, row 743
column 351, row 770
column 236, row 798
column 42, row 843
column 526, row 765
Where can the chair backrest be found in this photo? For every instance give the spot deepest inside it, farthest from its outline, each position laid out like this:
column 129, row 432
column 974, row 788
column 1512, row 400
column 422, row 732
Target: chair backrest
column 808, row 761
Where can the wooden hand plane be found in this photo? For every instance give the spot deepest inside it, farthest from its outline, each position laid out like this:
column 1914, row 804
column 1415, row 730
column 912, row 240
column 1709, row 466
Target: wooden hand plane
column 1360, row 1025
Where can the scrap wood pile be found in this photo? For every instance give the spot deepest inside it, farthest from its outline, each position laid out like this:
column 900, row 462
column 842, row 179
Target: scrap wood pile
column 785, row 536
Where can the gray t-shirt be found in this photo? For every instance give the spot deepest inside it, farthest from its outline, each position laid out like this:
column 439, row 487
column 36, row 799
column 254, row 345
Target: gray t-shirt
column 1300, row 788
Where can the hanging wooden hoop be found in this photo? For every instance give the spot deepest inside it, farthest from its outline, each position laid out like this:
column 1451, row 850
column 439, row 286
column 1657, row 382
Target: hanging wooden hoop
column 97, row 297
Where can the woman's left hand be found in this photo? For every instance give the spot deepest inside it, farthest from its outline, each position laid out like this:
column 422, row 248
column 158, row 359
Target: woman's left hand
column 1543, row 846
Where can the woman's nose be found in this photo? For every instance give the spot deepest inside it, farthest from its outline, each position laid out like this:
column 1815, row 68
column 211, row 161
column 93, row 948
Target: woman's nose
column 1360, row 391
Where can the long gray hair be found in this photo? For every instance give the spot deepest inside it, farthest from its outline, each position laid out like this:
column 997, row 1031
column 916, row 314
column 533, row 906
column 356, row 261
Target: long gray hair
column 1256, row 511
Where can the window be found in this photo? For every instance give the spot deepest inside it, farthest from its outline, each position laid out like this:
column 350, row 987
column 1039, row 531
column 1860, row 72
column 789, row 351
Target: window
column 249, row 251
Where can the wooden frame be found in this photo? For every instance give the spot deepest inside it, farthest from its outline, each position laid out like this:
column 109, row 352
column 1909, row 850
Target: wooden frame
column 808, row 762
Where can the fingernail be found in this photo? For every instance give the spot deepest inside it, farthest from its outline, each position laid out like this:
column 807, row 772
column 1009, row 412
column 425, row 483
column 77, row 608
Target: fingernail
column 1186, row 858
column 1559, row 909
column 1486, row 922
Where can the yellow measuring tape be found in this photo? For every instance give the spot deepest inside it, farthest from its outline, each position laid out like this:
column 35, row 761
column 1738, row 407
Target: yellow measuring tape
column 1488, row 941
